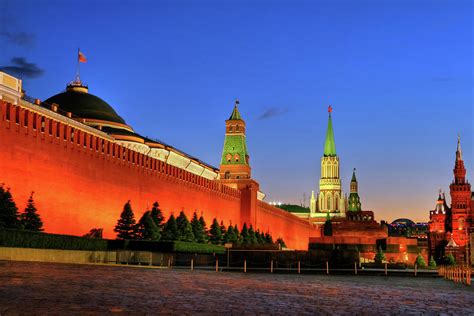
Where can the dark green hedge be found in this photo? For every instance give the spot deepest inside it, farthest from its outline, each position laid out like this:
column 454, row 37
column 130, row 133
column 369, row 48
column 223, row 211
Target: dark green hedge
column 28, row 239
column 165, row 246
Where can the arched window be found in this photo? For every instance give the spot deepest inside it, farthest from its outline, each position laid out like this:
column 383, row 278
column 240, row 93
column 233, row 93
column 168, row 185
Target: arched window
column 227, row 175
column 328, row 201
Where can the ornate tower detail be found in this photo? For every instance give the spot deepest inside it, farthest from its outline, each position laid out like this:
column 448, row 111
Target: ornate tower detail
column 354, row 204
column 235, row 158
column 312, row 203
column 460, row 191
column 330, row 198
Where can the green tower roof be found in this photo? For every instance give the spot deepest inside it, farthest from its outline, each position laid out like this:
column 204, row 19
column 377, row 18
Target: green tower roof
column 330, row 145
column 235, row 146
column 354, row 176
column 235, row 113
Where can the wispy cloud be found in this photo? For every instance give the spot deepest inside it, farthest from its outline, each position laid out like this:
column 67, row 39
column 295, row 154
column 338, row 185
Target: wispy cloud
column 272, row 112
column 23, row 39
column 23, row 69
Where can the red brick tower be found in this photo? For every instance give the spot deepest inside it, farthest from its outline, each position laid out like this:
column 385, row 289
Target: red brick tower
column 235, row 169
column 460, row 190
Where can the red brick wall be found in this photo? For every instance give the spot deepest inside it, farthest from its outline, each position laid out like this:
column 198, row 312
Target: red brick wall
column 83, row 183
column 294, row 231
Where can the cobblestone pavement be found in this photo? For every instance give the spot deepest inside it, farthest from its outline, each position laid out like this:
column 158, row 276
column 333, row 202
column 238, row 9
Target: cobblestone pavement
column 43, row 288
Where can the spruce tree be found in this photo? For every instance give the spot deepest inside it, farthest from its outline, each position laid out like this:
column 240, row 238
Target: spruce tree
column 205, row 233
column 268, row 238
column 30, row 219
column 231, row 236
column 420, row 261
column 450, row 260
column 223, row 230
column 126, row 225
column 9, row 217
column 327, row 229
column 280, row 242
column 147, row 228
column 432, row 262
column 260, row 237
column 170, row 230
column 252, row 236
column 244, row 234
column 197, row 229
column 215, row 233
column 237, row 234
column 184, row 228
column 379, row 256
column 157, row 215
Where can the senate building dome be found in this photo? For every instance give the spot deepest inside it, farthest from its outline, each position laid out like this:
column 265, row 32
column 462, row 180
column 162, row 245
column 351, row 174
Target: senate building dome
column 95, row 111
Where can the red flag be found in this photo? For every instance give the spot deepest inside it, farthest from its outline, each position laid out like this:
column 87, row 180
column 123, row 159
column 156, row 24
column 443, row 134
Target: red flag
column 81, row 58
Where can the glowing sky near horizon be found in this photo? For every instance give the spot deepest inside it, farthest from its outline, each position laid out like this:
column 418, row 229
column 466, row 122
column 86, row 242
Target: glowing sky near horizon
column 398, row 74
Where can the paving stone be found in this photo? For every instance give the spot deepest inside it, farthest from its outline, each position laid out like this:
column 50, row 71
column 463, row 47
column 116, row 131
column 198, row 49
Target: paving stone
column 41, row 288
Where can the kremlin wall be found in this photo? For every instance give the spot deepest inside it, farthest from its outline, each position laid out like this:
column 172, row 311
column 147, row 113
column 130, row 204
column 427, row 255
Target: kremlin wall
column 83, row 163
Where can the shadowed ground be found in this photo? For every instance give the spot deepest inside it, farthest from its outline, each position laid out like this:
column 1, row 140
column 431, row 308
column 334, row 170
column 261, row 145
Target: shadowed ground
column 44, row 288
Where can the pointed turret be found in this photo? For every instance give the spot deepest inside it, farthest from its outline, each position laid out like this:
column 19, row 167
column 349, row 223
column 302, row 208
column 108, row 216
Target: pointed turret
column 312, row 203
column 235, row 113
column 354, row 204
column 330, row 198
column 235, row 159
column 458, row 149
column 329, row 145
column 459, row 169
column 460, row 191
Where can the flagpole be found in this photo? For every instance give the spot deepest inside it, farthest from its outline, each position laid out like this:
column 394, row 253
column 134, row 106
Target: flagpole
column 78, row 78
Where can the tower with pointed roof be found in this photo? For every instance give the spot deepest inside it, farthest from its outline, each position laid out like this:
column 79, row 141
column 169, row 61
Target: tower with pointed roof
column 353, row 203
column 460, row 191
column 330, row 198
column 235, row 158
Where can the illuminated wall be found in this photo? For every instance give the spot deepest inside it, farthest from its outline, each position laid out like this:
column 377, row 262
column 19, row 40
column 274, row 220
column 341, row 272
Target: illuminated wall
column 82, row 179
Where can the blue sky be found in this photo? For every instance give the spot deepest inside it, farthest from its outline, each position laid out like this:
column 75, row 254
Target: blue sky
column 398, row 74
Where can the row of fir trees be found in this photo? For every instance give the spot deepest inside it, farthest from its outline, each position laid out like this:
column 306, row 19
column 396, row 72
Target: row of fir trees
column 152, row 226
column 12, row 219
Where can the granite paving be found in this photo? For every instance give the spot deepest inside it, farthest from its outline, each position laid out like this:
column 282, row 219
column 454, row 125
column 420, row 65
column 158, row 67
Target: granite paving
column 67, row 289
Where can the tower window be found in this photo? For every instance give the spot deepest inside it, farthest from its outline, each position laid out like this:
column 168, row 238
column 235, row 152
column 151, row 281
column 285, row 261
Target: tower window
column 227, row 175
column 228, row 157
column 237, row 157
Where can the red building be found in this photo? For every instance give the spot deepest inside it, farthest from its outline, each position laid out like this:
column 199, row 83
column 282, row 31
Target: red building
column 450, row 227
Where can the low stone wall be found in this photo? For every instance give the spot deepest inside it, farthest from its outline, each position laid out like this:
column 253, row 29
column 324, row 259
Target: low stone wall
column 112, row 257
column 56, row 255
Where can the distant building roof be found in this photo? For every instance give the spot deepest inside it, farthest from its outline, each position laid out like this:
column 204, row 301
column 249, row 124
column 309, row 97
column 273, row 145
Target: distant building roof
column 403, row 221
column 293, row 208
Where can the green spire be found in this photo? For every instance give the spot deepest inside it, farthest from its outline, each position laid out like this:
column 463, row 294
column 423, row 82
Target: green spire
column 354, row 176
column 353, row 202
column 235, row 146
column 330, row 145
column 235, row 113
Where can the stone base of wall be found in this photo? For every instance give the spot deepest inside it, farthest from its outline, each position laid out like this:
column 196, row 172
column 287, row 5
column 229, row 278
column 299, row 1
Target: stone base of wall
column 55, row 255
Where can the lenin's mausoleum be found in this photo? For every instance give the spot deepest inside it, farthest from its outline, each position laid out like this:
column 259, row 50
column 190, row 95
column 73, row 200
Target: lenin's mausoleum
column 83, row 161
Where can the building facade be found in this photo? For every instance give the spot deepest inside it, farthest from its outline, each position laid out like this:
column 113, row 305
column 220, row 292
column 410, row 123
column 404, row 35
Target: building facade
column 450, row 227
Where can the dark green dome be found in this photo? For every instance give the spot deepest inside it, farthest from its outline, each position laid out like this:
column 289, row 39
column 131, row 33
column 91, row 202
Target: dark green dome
column 85, row 105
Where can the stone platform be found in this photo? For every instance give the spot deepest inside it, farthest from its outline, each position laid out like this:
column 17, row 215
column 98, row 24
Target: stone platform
column 45, row 288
